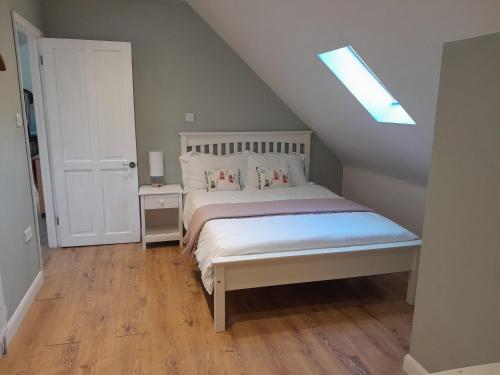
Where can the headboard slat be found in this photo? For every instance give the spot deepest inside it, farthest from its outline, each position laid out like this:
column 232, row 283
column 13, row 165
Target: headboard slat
column 297, row 141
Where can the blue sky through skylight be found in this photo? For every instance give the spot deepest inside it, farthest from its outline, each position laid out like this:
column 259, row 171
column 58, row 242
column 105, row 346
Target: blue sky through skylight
column 352, row 71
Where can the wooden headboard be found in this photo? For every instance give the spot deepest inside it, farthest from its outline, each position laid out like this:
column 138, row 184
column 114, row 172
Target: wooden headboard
column 226, row 143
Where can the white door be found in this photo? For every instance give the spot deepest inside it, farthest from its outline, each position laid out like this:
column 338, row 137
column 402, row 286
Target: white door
column 91, row 132
column 3, row 319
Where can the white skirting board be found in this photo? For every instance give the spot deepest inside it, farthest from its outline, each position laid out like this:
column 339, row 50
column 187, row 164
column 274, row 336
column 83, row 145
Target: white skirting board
column 17, row 318
column 3, row 342
column 412, row 367
column 3, row 320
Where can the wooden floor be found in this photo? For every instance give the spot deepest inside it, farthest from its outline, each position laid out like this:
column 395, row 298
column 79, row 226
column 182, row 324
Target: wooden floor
column 118, row 310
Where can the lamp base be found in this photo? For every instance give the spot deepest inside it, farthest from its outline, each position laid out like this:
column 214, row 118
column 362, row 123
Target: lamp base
column 156, row 181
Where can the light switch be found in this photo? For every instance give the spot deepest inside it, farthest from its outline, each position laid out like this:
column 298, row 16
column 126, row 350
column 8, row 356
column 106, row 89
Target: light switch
column 189, row 117
column 19, row 120
column 28, row 234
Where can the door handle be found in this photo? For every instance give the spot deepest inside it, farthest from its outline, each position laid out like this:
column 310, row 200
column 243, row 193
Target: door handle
column 130, row 165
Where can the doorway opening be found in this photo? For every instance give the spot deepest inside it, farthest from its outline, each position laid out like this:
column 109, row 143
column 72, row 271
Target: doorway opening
column 33, row 146
column 26, row 39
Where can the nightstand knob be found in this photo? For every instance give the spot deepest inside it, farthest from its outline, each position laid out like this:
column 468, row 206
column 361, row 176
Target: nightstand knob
column 162, row 202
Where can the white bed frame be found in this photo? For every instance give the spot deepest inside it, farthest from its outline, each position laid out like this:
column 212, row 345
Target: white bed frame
column 259, row 270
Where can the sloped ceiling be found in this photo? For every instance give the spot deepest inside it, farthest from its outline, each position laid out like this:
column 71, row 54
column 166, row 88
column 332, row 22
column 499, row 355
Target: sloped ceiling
column 401, row 40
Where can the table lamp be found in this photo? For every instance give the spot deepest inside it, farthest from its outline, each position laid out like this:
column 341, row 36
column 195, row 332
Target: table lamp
column 156, row 168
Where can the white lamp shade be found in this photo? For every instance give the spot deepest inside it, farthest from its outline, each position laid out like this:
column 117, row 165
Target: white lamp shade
column 156, row 163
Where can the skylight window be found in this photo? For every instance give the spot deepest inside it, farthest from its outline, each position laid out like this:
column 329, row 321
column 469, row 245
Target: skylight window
column 352, row 71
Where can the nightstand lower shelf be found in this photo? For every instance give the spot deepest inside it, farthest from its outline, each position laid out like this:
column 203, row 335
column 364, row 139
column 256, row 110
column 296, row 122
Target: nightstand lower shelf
column 162, row 233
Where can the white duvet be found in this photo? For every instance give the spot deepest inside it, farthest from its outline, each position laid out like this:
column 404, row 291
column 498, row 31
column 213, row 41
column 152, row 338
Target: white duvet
column 226, row 237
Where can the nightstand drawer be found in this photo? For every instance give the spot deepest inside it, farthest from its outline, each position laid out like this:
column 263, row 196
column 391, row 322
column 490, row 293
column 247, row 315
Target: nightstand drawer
column 161, row 201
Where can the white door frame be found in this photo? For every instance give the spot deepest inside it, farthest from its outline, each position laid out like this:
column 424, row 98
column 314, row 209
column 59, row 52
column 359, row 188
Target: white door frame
column 20, row 24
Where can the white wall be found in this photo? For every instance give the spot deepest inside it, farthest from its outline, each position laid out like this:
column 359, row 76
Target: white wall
column 19, row 261
column 457, row 311
column 401, row 41
column 399, row 200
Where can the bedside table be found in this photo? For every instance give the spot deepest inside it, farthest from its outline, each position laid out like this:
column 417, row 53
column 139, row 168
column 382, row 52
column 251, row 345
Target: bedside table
column 161, row 198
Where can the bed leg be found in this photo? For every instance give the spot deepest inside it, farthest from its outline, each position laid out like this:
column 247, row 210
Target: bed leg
column 412, row 280
column 219, row 298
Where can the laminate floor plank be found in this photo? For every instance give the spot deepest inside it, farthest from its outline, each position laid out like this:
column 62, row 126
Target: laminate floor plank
column 116, row 309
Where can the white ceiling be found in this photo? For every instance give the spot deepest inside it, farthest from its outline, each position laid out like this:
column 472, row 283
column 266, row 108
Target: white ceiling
column 401, row 40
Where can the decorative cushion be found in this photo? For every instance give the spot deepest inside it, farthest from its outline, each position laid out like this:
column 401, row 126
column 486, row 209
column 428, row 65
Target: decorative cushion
column 272, row 177
column 294, row 163
column 223, row 179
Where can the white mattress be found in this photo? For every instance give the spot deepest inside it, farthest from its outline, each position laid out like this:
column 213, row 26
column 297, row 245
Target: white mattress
column 226, row 237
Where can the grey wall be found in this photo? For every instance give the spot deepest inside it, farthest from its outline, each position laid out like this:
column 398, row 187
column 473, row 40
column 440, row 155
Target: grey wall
column 457, row 314
column 182, row 65
column 399, row 200
column 19, row 262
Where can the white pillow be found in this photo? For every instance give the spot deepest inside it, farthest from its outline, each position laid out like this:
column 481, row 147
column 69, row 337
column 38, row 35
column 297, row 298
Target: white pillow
column 297, row 169
column 184, row 160
column 194, row 165
column 293, row 162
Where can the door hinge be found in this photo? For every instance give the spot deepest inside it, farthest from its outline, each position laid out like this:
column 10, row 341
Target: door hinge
column 41, row 60
column 57, row 220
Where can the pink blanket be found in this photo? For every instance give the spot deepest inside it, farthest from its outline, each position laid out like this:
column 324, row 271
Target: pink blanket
column 270, row 208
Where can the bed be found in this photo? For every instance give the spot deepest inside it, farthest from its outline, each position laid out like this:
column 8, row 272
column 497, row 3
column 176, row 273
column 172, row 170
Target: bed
column 250, row 252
